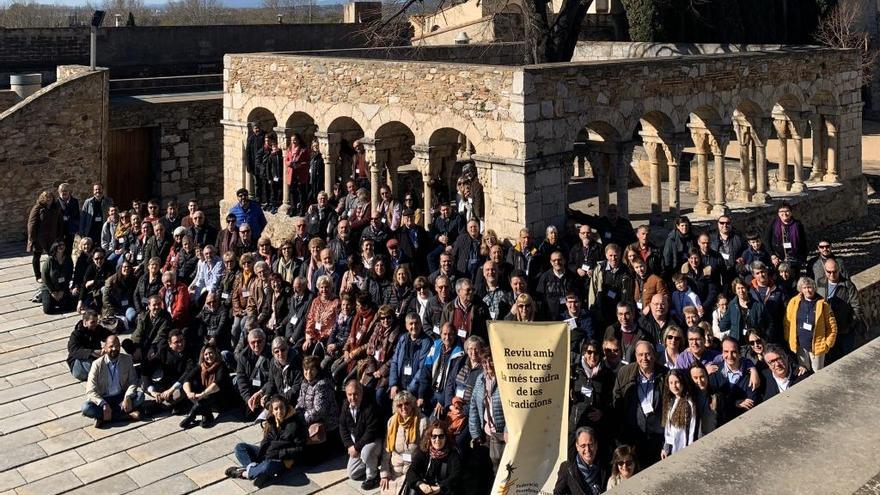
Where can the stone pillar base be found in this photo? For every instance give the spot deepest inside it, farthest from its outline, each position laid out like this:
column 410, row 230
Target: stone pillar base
column 761, row 198
column 702, row 208
column 783, row 185
column 798, row 187
column 831, row 178
column 719, row 210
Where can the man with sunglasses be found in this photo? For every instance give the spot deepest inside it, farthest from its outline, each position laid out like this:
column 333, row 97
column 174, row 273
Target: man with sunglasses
column 729, row 244
column 590, row 391
column 843, row 297
column 825, row 253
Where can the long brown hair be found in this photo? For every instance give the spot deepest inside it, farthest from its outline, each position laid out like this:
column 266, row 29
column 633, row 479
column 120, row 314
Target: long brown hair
column 624, row 453
column 425, row 442
column 681, row 417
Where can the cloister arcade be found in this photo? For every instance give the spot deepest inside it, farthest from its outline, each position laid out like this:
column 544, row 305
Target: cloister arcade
column 524, row 127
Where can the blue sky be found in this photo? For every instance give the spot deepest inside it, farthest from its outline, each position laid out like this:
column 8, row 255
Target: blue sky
column 228, row 3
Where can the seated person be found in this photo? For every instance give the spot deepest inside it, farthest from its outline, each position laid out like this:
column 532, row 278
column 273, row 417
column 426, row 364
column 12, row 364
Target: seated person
column 436, row 466
column 207, row 387
column 405, row 428
column 360, row 427
column 56, row 273
column 213, row 325
column 112, row 389
column 118, row 295
column 85, row 345
column 284, row 438
column 252, row 372
column 173, row 364
column 317, row 404
column 409, row 356
column 96, row 274
column 285, row 373
column 150, row 334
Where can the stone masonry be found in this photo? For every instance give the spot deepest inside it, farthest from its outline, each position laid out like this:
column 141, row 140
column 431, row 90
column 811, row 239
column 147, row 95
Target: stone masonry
column 58, row 134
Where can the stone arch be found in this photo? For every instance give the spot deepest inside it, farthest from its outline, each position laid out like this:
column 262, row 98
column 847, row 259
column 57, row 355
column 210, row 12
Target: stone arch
column 467, row 127
column 705, row 105
column 706, row 116
column 303, row 124
column 656, row 122
column 453, row 149
column 823, row 93
column 349, row 131
column 789, row 98
column 262, row 116
column 394, row 141
column 389, row 115
column 751, row 111
column 340, row 112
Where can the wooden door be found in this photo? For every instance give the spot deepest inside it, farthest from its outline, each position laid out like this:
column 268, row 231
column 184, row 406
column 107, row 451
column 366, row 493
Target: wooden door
column 128, row 165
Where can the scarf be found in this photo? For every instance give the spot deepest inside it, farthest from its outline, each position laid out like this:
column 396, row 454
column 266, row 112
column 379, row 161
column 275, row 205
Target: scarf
column 438, row 454
column 209, row 373
column 791, row 233
column 589, row 473
column 410, row 428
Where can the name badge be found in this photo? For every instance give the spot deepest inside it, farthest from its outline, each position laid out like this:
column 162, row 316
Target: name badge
column 725, row 256
column 572, row 323
column 462, row 333
column 612, row 294
column 808, row 326
column 407, row 370
column 358, row 335
column 245, row 293
column 98, row 219
column 406, row 457
column 61, row 280
column 587, row 391
column 257, row 382
column 174, row 259
column 66, row 218
column 120, row 239
column 274, row 179
column 124, row 302
column 459, row 392
column 786, row 245
column 608, row 235
column 377, row 354
column 585, row 267
column 639, row 304
column 224, row 296
column 436, row 330
column 295, row 320
column 561, row 300
column 317, row 324
column 492, row 314
column 140, row 256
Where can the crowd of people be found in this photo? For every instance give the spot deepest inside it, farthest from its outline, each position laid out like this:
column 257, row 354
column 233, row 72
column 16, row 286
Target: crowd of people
column 365, row 335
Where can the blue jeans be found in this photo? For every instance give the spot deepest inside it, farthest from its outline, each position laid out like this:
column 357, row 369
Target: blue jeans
column 80, row 369
column 248, row 455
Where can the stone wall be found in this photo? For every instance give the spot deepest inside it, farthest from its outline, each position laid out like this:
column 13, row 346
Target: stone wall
column 55, row 135
column 146, row 51
column 7, row 99
column 490, row 54
column 868, row 283
column 189, row 139
column 588, row 51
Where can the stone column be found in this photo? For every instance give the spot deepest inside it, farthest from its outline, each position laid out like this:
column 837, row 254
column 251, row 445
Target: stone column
column 370, row 157
column 701, row 143
column 817, row 126
column 600, row 169
column 797, row 128
column 623, row 159
column 833, row 146
column 744, row 138
column 654, row 149
column 761, row 179
column 423, row 161
column 673, row 159
column 753, row 161
column 329, row 143
column 719, row 146
column 782, row 181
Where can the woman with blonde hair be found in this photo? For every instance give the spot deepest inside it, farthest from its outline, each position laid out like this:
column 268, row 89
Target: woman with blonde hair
column 524, row 309
column 405, row 428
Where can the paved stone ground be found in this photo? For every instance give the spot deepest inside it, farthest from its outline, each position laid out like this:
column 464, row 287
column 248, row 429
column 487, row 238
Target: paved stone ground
column 48, row 447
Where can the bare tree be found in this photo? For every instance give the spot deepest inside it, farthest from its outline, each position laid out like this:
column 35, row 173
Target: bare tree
column 142, row 15
column 846, row 26
column 193, row 12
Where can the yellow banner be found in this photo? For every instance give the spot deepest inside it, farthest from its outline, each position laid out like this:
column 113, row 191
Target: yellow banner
column 531, row 365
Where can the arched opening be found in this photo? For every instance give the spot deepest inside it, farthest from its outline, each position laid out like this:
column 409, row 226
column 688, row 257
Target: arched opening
column 709, row 137
column 347, row 132
column 263, row 118
column 303, row 124
column 595, row 168
column 394, row 142
column 789, row 126
column 751, row 181
column 651, row 161
column 451, row 151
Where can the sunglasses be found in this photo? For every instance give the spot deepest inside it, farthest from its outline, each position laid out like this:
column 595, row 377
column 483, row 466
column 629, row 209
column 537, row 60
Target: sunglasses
column 756, row 342
column 383, row 318
column 437, row 437
column 673, row 337
column 625, row 463
column 723, row 223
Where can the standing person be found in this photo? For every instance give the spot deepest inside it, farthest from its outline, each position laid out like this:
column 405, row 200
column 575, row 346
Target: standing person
column 787, row 238
column 679, row 241
column 254, row 150
column 316, row 173
column 843, row 298
column 730, row 245
column 590, row 401
column 638, row 396
column 296, row 166
column 44, row 228
column 681, row 420
column 69, row 216
column 247, row 213
column 273, row 164
column 810, row 326
column 486, row 416
column 94, row 212
column 611, row 283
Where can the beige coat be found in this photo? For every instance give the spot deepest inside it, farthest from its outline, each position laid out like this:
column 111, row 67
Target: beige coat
column 99, row 378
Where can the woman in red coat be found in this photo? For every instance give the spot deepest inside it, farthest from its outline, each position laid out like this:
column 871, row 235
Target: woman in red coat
column 296, row 165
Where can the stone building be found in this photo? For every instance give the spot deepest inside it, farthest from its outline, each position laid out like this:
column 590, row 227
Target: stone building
column 524, row 126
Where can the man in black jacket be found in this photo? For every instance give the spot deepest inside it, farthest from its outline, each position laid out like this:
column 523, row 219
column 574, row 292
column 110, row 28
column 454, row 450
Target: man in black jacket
column 778, row 376
column 285, row 372
column 85, row 345
column 361, row 429
column 638, row 395
column 843, row 297
column 252, row 372
column 173, row 364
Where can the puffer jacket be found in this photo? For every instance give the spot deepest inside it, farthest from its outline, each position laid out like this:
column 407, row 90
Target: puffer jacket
column 318, row 403
column 477, row 408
